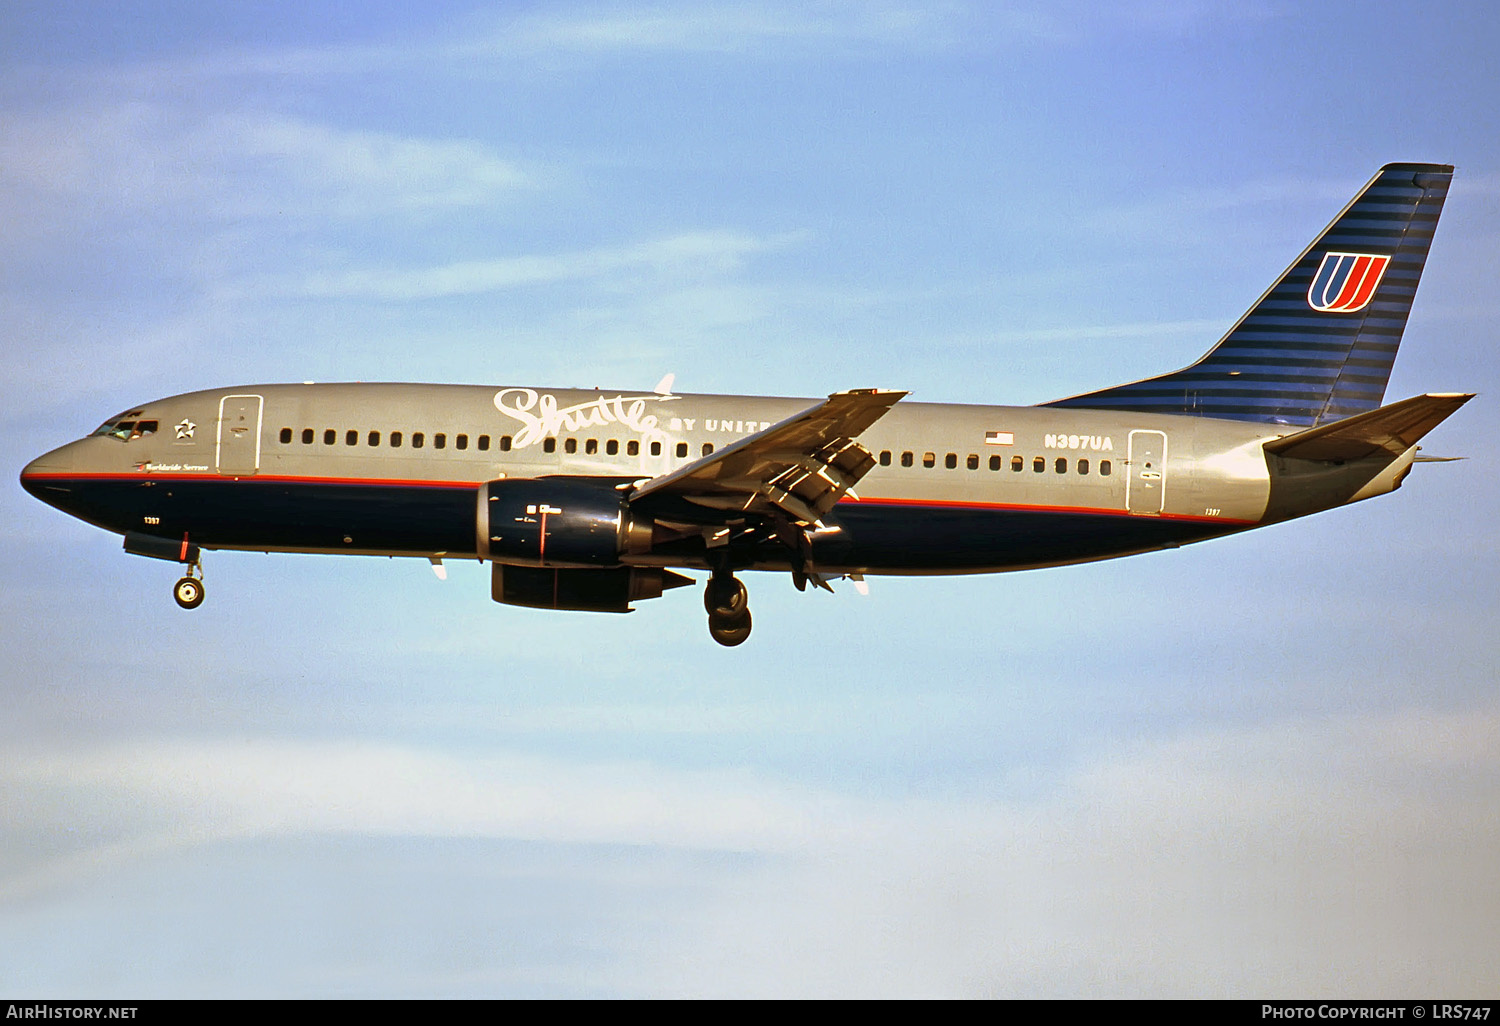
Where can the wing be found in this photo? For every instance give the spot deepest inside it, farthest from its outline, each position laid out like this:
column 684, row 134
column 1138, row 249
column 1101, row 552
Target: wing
column 800, row 466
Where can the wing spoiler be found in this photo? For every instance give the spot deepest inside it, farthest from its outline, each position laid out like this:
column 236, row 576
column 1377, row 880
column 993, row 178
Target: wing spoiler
column 1390, row 430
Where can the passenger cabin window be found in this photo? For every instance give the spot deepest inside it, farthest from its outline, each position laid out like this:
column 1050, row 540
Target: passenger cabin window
column 395, row 439
column 351, row 437
column 906, row 459
column 286, row 436
column 461, row 441
column 417, row 439
column 374, row 438
column 549, row 445
column 1104, row 468
column 307, row 436
column 994, row 462
column 632, row 448
column 681, row 450
column 951, row 461
column 570, row 445
column 330, row 436
column 1083, row 466
column 973, row 462
column 656, row 448
column 929, row 459
column 708, row 447
column 439, row 441
column 1039, row 465
column 1062, row 465
column 1017, row 464
column 612, row 447
column 591, row 447
column 885, row 457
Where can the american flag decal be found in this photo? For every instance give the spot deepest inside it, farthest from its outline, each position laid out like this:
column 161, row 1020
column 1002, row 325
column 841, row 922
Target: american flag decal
column 1346, row 282
column 999, row 438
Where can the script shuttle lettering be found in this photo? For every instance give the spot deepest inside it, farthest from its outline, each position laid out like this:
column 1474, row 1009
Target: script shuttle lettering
column 540, row 415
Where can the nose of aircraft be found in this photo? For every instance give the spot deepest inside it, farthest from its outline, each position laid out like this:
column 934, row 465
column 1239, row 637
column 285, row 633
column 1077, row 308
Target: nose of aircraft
column 35, row 473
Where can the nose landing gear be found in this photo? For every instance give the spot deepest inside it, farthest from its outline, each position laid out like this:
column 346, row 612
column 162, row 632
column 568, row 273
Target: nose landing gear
column 728, row 605
column 189, row 591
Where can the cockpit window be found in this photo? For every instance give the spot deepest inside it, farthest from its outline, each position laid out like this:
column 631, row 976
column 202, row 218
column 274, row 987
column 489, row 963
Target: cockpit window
column 125, row 430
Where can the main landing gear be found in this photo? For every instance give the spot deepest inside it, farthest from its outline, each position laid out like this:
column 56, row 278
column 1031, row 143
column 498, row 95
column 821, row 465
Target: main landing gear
column 189, row 591
column 728, row 605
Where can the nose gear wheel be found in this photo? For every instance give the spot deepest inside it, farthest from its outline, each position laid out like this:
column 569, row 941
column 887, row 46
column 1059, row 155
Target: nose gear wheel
column 188, row 592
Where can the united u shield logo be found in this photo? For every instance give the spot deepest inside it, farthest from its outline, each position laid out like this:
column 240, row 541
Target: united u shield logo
column 1345, row 282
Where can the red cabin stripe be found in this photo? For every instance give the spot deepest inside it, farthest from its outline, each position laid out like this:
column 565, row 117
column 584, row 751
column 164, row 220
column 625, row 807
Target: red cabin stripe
column 846, row 501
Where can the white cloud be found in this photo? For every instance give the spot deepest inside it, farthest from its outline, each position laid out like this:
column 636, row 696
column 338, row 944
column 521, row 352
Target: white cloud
column 187, row 793
column 1348, row 857
column 1107, row 332
column 758, row 29
column 1344, row 856
column 839, row 28
column 754, row 29
column 140, row 156
column 766, row 29
column 401, row 171
column 690, row 254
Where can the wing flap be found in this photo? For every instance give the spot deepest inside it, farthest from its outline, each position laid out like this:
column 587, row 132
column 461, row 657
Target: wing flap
column 802, row 465
column 1389, row 430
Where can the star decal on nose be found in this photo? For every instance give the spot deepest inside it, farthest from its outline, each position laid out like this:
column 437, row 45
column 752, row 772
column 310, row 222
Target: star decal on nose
column 186, row 429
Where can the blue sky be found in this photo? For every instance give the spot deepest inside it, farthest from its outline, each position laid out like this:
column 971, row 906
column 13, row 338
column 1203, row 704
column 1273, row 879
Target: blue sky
column 1264, row 765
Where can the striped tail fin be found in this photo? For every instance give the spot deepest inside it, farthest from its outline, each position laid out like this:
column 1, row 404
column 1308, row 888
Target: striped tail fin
column 1320, row 343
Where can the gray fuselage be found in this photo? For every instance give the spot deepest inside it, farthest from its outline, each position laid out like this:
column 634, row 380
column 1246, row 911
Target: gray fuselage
column 393, row 469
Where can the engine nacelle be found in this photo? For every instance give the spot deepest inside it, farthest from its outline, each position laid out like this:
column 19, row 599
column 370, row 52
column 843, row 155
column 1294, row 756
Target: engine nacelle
column 595, row 589
column 558, row 522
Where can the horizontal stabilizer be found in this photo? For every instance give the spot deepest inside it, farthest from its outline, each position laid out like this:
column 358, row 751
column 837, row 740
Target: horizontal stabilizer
column 1390, row 430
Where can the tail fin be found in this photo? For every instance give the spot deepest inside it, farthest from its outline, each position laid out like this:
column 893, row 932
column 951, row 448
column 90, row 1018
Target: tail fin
column 1320, row 343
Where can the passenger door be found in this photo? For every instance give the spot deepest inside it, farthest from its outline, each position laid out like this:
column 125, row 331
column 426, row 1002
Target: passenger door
column 237, row 446
column 1146, row 487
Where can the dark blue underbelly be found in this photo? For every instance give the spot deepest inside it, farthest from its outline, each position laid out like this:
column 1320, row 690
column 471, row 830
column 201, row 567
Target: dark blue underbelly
column 427, row 518
column 917, row 539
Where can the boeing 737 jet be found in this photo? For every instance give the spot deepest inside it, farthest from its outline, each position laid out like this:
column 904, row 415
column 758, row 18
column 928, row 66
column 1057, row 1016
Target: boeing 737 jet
column 594, row 500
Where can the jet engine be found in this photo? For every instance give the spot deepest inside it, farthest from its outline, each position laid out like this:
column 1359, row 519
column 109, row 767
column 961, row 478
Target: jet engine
column 557, row 543
column 594, row 589
column 558, row 522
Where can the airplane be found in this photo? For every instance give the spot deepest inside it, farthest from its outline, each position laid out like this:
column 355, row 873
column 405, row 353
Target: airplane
column 595, row 499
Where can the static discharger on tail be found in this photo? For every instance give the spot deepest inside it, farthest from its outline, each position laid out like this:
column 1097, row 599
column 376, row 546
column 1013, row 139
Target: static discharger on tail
column 595, row 500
